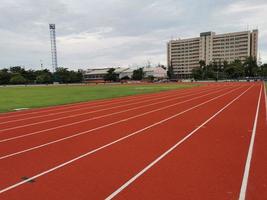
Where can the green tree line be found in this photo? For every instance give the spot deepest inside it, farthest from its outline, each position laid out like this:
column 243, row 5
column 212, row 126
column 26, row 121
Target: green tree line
column 234, row 70
column 224, row 70
column 18, row 75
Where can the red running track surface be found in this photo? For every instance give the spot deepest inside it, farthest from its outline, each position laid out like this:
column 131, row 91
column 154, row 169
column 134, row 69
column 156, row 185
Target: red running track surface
column 184, row 144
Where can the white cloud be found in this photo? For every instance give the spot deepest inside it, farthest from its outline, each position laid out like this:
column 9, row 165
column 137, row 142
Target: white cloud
column 115, row 32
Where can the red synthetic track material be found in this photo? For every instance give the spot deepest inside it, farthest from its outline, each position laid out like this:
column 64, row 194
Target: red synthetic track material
column 208, row 166
column 257, row 185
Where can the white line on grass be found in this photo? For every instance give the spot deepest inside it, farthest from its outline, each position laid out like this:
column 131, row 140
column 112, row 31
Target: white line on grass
column 107, row 145
column 242, row 195
column 130, row 181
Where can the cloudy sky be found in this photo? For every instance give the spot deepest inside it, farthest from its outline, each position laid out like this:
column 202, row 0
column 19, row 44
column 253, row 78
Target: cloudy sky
column 103, row 33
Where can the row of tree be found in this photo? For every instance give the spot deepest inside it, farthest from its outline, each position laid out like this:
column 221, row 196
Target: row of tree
column 225, row 70
column 234, row 70
column 19, row 75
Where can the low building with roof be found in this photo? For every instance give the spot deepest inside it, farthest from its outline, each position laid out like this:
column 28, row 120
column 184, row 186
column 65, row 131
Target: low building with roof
column 98, row 75
column 156, row 72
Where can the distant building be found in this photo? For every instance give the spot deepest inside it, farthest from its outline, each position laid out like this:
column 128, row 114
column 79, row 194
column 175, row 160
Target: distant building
column 185, row 54
column 126, row 73
column 98, row 75
column 156, row 72
column 95, row 75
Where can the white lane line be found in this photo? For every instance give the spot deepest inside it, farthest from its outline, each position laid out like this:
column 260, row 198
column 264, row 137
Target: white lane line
column 105, row 109
column 243, row 190
column 101, row 127
column 87, row 106
column 109, row 144
column 73, row 110
column 99, row 117
column 94, row 111
column 78, row 104
column 130, row 181
column 93, row 118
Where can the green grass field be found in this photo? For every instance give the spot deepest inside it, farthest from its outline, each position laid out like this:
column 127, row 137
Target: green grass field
column 41, row 96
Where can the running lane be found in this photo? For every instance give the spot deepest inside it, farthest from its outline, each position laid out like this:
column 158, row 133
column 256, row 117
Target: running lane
column 209, row 165
column 257, row 181
column 56, row 153
column 53, row 109
column 76, row 109
column 15, row 129
column 96, row 176
column 156, row 110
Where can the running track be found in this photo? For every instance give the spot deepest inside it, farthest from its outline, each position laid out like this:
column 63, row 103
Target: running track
column 200, row 143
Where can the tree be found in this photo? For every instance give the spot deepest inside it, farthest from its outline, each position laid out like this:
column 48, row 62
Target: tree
column 251, row 67
column 111, row 75
column 162, row 66
column 138, row 74
column 235, row 69
column 20, row 76
column 30, row 75
column 4, row 77
column 263, row 70
column 17, row 79
column 62, row 75
column 44, row 78
column 17, row 70
column 197, row 73
column 150, row 78
column 125, row 78
column 79, row 77
column 210, row 71
column 202, row 65
column 170, row 72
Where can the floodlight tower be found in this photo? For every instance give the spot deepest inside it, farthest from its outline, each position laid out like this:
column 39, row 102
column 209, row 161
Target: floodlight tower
column 52, row 28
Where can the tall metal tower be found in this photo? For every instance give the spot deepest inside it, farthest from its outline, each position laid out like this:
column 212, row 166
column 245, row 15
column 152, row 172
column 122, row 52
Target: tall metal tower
column 52, row 28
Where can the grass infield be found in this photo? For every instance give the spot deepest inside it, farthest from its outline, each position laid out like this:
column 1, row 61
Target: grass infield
column 41, row 96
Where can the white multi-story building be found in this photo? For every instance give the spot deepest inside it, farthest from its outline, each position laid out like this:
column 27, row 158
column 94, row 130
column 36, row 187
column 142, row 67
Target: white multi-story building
column 184, row 55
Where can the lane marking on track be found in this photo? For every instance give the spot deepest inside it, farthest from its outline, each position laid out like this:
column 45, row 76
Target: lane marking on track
column 104, row 126
column 110, row 144
column 94, row 105
column 102, row 116
column 243, row 190
column 73, row 105
column 130, row 181
column 95, row 111
column 78, row 109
